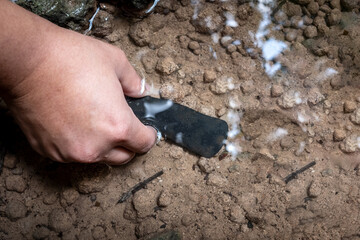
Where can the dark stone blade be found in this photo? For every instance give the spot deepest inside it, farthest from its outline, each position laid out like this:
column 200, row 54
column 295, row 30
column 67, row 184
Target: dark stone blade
column 194, row 131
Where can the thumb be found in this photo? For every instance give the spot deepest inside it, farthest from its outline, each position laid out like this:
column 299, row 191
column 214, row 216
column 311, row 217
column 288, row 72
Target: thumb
column 132, row 84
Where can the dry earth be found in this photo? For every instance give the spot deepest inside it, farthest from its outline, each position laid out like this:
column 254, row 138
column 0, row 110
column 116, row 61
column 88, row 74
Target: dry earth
column 308, row 111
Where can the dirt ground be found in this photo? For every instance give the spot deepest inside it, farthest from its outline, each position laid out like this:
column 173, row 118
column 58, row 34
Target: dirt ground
column 308, row 111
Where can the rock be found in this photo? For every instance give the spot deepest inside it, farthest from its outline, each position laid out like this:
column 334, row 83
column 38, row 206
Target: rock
column 325, row 8
column 207, row 21
column 337, row 82
column 349, row 106
column 289, row 100
column 92, row 178
column 221, row 85
column 103, row 24
column 334, row 17
column 164, row 199
column 216, row 180
column 292, row 9
column 167, row 235
column 61, row 12
column 339, row 135
column 231, row 48
column 206, row 165
column 314, row 190
column 149, row 63
column 226, row 41
column 182, row 14
column 313, row 7
column 335, row 4
column 70, row 196
column 147, row 227
column 248, row 87
column 10, row 161
column 140, row 33
column 41, row 233
column 287, row 142
column 302, row 2
column 291, row 35
column 349, row 5
column 98, row 232
column 166, row 66
column 173, row 91
column 59, row 220
column 50, row 198
column 307, row 20
column 15, row 183
column 237, row 215
column 355, row 117
column 209, row 76
column 310, row 31
column 15, row 210
column 194, row 45
column 276, row 90
column 144, row 202
column 315, row 96
column 350, row 144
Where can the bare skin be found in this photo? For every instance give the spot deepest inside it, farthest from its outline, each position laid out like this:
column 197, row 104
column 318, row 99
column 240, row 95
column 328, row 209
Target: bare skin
column 66, row 91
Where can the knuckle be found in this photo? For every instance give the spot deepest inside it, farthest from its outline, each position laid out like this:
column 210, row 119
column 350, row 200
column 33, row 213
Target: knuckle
column 82, row 154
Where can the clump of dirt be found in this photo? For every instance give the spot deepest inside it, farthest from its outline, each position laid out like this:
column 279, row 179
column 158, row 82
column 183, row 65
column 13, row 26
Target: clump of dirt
column 308, row 111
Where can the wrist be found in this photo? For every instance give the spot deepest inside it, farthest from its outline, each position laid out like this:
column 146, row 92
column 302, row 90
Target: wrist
column 25, row 44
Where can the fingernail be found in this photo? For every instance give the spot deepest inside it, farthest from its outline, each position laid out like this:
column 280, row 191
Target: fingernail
column 143, row 86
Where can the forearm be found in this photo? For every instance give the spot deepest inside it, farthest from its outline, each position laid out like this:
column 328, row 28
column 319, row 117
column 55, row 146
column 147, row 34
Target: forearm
column 22, row 38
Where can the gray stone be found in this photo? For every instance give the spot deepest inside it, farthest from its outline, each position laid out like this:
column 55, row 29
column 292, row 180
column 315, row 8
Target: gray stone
column 15, row 183
column 61, row 12
column 15, row 210
column 59, row 220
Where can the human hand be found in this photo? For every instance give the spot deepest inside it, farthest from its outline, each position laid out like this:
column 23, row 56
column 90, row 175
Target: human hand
column 72, row 106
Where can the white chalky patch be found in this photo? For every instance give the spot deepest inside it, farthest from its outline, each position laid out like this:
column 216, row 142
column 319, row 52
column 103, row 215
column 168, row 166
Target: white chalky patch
column 277, row 134
column 215, row 37
column 230, row 20
column 301, row 148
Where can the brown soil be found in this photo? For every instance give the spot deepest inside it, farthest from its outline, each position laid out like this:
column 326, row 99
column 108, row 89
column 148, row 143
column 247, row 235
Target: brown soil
column 221, row 197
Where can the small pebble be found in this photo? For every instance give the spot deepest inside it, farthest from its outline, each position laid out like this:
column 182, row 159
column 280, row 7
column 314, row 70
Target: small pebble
column 206, row 165
column 276, row 90
column 237, row 215
column 313, row 7
column 349, row 106
column 310, row 31
column 15, row 183
column 70, row 195
column 231, row 48
column 10, row 161
column 194, row 45
column 164, row 199
column 216, row 180
column 59, row 220
column 15, row 210
column 98, row 232
column 314, row 190
column 166, row 66
column 209, row 76
column 187, row 220
column 339, row 135
column 350, row 144
column 41, row 233
column 355, row 117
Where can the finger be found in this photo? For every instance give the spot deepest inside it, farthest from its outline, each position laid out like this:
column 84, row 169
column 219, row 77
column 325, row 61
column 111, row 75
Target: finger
column 118, row 156
column 137, row 137
column 131, row 83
